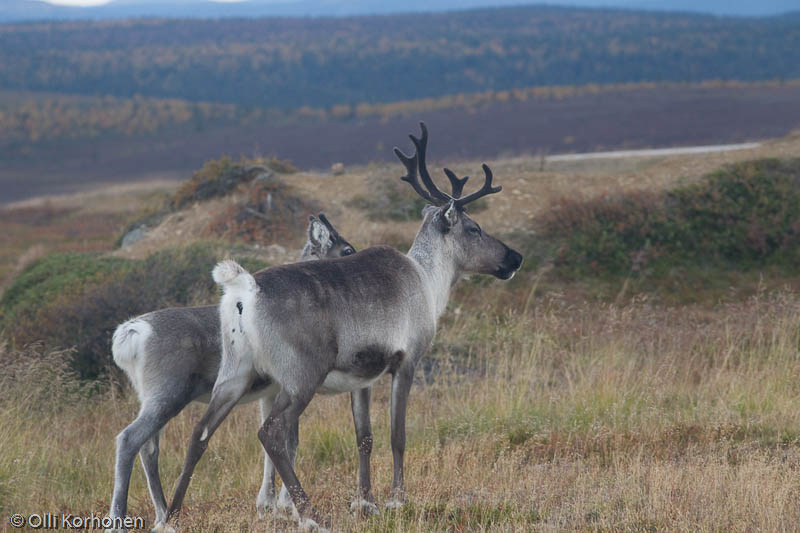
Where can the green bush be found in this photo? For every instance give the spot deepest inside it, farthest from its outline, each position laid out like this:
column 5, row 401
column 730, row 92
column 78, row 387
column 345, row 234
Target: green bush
column 271, row 211
column 65, row 274
column 215, row 178
column 80, row 302
column 742, row 216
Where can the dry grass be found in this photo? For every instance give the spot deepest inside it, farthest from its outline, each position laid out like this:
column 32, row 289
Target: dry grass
column 588, row 417
column 88, row 221
column 532, row 413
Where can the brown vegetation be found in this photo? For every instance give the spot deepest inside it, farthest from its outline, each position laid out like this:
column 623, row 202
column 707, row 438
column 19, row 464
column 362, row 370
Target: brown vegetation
column 544, row 405
column 568, row 417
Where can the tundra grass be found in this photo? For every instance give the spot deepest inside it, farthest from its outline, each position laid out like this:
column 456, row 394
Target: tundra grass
column 563, row 417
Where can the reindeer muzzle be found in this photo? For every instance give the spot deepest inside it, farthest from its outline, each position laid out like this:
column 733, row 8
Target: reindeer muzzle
column 511, row 263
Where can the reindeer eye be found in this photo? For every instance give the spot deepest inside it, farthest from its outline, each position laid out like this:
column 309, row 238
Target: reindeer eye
column 348, row 251
column 475, row 230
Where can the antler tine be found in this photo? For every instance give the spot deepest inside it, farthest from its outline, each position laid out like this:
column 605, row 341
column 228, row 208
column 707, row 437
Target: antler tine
column 486, row 190
column 331, row 229
column 422, row 147
column 456, row 183
column 411, row 167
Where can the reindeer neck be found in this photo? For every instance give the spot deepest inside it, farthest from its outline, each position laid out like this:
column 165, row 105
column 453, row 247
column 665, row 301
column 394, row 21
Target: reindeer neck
column 438, row 266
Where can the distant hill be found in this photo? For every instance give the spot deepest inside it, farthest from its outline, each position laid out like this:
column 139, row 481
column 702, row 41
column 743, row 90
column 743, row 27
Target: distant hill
column 31, row 10
column 78, row 144
column 321, row 62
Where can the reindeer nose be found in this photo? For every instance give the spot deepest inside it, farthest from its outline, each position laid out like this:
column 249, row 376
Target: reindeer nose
column 513, row 259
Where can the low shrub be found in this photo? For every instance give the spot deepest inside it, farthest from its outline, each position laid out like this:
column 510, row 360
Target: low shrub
column 272, row 211
column 215, row 178
column 743, row 216
column 57, row 275
column 281, row 166
column 83, row 300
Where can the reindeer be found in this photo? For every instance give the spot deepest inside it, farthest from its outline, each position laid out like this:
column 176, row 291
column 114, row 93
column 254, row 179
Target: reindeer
column 340, row 324
column 172, row 357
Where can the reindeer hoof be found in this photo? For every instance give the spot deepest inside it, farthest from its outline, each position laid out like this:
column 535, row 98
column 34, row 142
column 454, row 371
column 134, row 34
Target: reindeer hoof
column 262, row 506
column 262, row 510
column 162, row 528
column 284, row 507
column 394, row 504
column 363, row 507
column 264, row 503
column 309, row 524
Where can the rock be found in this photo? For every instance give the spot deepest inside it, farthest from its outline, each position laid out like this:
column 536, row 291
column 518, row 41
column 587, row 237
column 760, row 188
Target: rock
column 263, row 174
column 337, row 169
column 135, row 235
column 276, row 249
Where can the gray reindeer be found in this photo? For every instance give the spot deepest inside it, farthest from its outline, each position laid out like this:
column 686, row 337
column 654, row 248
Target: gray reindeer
column 338, row 325
column 172, row 357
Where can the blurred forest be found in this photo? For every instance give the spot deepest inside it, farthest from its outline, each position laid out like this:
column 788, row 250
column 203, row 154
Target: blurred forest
column 28, row 118
column 287, row 63
column 113, row 101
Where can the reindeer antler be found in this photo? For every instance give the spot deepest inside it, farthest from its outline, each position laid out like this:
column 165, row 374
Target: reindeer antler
column 456, row 183
column 421, row 145
column 486, row 190
column 411, row 167
column 433, row 194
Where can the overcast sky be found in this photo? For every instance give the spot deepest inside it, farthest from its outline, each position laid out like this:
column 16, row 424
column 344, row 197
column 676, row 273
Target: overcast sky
column 78, row 2
column 101, row 2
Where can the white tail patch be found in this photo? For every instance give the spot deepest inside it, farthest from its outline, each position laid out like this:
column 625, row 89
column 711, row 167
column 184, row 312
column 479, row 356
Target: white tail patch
column 232, row 276
column 128, row 344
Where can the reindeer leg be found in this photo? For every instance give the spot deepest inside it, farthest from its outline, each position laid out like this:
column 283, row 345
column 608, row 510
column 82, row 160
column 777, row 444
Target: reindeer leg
column 148, row 454
column 226, row 393
column 285, row 499
column 276, row 437
column 363, row 503
column 144, row 430
column 266, row 496
column 401, row 386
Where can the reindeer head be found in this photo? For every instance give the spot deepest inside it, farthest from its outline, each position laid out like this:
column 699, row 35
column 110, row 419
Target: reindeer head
column 446, row 220
column 324, row 242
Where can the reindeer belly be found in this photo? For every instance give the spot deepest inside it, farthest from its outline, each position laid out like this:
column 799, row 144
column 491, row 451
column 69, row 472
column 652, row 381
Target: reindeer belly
column 261, row 387
column 361, row 370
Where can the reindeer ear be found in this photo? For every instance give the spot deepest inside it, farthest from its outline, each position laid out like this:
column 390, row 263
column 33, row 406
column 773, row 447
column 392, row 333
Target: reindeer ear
column 446, row 216
column 318, row 233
